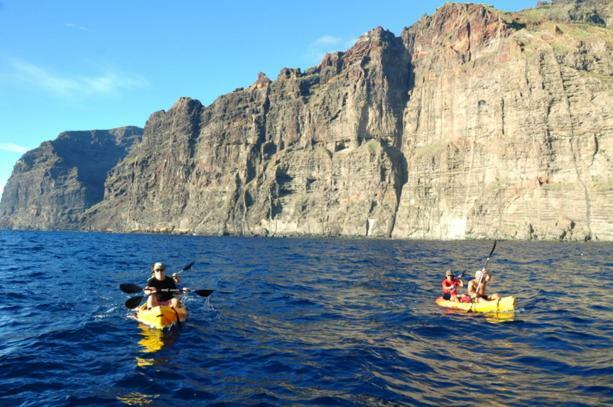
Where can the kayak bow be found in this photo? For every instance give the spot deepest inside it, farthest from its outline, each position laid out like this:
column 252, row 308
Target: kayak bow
column 160, row 317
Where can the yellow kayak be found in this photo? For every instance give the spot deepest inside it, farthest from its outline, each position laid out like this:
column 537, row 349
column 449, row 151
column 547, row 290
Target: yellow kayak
column 504, row 304
column 160, row 317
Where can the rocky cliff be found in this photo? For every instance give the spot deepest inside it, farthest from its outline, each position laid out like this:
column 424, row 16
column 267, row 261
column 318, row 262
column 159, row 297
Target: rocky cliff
column 598, row 12
column 52, row 185
column 309, row 153
column 473, row 123
column 508, row 127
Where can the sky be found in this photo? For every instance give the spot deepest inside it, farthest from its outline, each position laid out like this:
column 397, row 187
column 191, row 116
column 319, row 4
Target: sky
column 90, row 64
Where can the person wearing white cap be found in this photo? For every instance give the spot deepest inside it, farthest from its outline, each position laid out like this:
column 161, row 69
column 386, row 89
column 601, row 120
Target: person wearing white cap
column 158, row 282
column 476, row 288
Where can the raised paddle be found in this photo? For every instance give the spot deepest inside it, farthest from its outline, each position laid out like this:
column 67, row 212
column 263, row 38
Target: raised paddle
column 490, row 255
column 186, row 267
column 485, row 265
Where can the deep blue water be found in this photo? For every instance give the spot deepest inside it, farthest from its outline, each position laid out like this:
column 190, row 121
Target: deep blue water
column 302, row 321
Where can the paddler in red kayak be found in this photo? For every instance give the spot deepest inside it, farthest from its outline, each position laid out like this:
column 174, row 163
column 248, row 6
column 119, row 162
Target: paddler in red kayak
column 476, row 287
column 448, row 286
column 159, row 281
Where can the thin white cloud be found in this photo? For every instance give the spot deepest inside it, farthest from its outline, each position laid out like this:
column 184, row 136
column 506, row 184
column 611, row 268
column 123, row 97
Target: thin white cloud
column 105, row 83
column 325, row 44
column 350, row 43
column 318, row 48
column 76, row 27
column 13, row 148
column 326, row 41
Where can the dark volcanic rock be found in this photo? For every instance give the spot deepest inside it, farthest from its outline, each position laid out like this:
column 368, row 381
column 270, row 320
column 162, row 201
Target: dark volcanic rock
column 53, row 184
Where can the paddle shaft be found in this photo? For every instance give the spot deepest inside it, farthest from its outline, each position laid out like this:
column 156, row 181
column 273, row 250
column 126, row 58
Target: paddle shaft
column 490, row 255
column 169, row 290
column 484, row 266
column 133, row 289
column 135, row 301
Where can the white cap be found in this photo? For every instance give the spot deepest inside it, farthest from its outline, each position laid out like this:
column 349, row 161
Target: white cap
column 159, row 265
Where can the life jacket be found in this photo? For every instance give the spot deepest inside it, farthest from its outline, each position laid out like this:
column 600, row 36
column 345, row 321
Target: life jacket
column 449, row 287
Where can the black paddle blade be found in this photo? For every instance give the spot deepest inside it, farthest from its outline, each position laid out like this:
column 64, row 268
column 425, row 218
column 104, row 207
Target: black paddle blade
column 134, row 302
column 493, row 248
column 188, row 266
column 130, row 288
column 203, row 293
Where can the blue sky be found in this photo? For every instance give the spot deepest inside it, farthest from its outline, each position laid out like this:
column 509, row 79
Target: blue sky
column 89, row 64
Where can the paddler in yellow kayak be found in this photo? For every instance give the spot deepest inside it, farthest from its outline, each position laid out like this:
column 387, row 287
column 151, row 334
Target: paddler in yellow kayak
column 448, row 286
column 476, row 288
column 159, row 281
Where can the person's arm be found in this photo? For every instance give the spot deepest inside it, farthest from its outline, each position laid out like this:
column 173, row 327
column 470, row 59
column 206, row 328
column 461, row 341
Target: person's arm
column 471, row 288
column 175, row 277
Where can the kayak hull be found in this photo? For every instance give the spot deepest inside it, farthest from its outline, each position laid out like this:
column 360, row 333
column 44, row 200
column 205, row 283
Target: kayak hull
column 504, row 304
column 161, row 317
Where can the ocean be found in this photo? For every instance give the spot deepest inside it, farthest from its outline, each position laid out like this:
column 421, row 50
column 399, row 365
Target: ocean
column 302, row 322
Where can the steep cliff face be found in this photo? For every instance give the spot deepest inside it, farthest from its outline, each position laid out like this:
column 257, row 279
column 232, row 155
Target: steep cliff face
column 52, row 185
column 508, row 130
column 474, row 123
column 310, row 153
